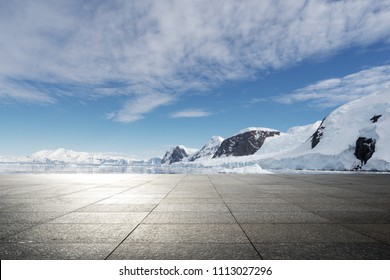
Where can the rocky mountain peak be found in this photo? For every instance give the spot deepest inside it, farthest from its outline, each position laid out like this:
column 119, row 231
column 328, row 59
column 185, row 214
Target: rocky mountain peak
column 245, row 143
column 175, row 154
column 207, row 150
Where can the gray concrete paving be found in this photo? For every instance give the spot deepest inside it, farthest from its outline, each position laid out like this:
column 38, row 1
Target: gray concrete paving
column 131, row 216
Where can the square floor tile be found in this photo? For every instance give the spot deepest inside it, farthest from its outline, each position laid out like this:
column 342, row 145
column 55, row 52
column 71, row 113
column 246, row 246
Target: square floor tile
column 175, row 233
column 101, row 218
column 73, row 233
column 190, row 218
column 262, row 233
column 323, row 251
column 185, row 251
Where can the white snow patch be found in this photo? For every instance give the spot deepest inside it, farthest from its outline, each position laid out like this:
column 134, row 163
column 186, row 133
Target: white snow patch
column 251, row 169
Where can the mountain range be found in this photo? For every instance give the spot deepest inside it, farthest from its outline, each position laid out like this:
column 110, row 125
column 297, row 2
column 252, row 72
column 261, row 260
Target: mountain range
column 355, row 136
column 64, row 156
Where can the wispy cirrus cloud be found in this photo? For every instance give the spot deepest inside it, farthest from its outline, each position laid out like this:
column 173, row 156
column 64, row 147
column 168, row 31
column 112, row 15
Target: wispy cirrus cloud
column 136, row 108
column 144, row 49
column 190, row 113
column 24, row 93
column 334, row 92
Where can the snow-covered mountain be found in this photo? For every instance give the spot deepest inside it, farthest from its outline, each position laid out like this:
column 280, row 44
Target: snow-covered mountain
column 246, row 142
column 208, row 150
column 354, row 136
column 258, row 141
column 277, row 143
column 286, row 141
column 61, row 156
column 152, row 161
column 13, row 159
column 177, row 154
column 64, row 156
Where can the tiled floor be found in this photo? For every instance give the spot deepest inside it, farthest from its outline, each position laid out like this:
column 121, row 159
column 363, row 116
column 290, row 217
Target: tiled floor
column 137, row 216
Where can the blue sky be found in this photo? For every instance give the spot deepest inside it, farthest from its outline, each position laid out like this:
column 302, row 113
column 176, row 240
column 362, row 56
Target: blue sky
column 136, row 77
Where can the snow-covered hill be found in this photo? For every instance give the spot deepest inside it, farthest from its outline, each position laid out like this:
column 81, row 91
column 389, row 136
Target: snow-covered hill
column 64, row 156
column 354, row 136
column 287, row 141
column 14, row 159
column 278, row 144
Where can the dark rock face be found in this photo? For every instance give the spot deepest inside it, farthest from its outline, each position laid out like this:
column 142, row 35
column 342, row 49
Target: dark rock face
column 375, row 118
column 244, row 144
column 174, row 155
column 365, row 148
column 316, row 137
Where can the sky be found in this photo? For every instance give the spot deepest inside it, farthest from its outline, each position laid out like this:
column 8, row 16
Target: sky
column 137, row 77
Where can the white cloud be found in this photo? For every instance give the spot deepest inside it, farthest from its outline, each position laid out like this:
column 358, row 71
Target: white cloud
column 24, row 92
column 136, row 108
column 255, row 101
column 333, row 92
column 190, row 113
column 170, row 46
